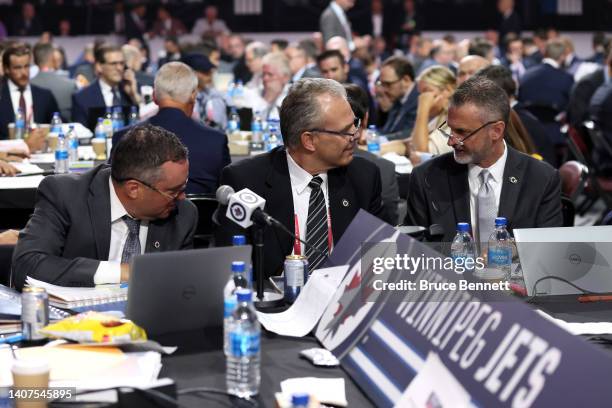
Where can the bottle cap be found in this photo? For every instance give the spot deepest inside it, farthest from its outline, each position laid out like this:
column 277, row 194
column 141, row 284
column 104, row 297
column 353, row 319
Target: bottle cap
column 300, row 399
column 244, row 295
column 238, row 267
column 372, row 127
column 238, row 240
column 499, row 221
column 463, row 227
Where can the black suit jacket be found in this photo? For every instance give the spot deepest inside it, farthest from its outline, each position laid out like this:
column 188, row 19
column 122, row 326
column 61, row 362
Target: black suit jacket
column 582, row 92
column 91, row 97
column 44, row 105
column 350, row 188
column 546, row 85
column 439, row 193
column 401, row 117
column 208, row 149
column 70, row 230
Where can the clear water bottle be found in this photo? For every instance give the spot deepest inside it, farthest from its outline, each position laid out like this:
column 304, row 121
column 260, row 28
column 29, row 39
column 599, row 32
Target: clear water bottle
column 20, row 125
column 229, row 95
column 61, row 155
column 117, row 118
column 273, row 139
column 73, row 145
column 300, row 400
column 238, row 94
column 238, row 280
column 499, row 253
column 133, row 119
column 373, row 140
column 56, row 123
column 257, row 141
column 108, row 122
column 233, row 124
column 238, row 240
column 463, row 247
column 242, row 374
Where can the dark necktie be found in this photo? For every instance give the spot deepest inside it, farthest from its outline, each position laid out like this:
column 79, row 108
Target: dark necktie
column 132, row 243
column 22, row 103
column 316, row 225
column 116, row 97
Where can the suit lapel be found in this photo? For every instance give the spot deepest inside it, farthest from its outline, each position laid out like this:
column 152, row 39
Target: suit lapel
column 514, row 173
column 279, row 198
column 155, row 237
column 9, row 111
column 98, row 203
column 460, row 191
column 342, row 201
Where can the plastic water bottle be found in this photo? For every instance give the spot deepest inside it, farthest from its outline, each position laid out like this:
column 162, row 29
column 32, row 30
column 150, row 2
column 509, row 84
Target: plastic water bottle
column 300, row 400
column 117, row 118
column 500, row 250
column 238, row 240
column 230, row 93
column 56, row 123
column 133, row 119
column 237, row 281
column 233, row 124
column 257, row 141
column 73, row 145
column 373, row 140
column 20, row 128
column 238, row 95
column 273, row 139
column 463, row 247
column 61, row 155
column 242, row 375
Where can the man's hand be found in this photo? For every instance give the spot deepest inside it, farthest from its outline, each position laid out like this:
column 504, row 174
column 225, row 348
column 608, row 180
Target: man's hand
column 36, row 139
column 7, row 169
column 9, row 237
column 125, row 272
column 14, row 155
column 131, row 86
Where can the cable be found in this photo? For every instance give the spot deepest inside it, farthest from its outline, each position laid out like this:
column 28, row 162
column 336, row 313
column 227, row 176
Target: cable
column 585, row 291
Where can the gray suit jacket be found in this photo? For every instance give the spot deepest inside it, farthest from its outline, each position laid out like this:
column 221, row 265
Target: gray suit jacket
column 70, row 230
column 330, row 25
column 62, row 89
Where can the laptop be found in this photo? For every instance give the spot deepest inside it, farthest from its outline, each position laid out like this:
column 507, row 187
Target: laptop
column 178, row 291
column 580, row 255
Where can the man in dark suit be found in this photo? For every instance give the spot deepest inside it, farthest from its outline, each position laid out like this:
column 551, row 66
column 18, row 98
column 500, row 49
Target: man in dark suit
column 37, row 104
column 116, row 86
column 483, row 178
column 510, row 21
column 334, row 22
column 397, row 83
column 86, row 228
column 175, row 93
column 314, row 186
column 27, row 24
column 600, row 111
column 302, row 60
column 357, row 73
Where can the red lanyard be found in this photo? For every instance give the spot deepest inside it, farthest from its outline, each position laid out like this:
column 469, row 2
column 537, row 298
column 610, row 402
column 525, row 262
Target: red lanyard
column 297, row 245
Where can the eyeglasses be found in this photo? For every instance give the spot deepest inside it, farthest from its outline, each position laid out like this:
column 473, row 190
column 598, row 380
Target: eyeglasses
column 461, row 141
column 387, row 84
column 170, row 196
column 352, row 135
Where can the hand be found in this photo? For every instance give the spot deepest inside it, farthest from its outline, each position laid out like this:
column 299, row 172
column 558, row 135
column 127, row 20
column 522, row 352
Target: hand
column 9, row 237
column 7, row 169
column 427, row 100
column 36, row 140
column 131, row 86
column 14, row 155
column 125, row 272
column 513, row 57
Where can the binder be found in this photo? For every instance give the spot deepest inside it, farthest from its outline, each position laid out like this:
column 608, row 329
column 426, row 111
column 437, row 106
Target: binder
column 65, row 297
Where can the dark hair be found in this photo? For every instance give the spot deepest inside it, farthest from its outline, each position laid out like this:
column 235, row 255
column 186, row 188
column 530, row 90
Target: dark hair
column 43, row 52
column 486, row 95
column 479, row 46
column 309, row 47
column 330, row 54
column 401, row 66
column 501, row 75
column 280, row 43
column 358, row 99
column 17, row 50
column 103, row 49
column 142, row 151
column 599, row 38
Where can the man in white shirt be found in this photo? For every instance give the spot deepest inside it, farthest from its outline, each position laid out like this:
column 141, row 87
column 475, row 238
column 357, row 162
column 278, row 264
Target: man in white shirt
column 275, row 78
column 210, row 25
column 483, row 178
column 86, row 228
column 334, row 22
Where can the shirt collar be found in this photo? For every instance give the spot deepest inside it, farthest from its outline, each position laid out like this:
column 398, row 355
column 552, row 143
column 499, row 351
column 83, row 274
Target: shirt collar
column 337, row 9
column 300, row 177
column 299, row 74
column 551, row 62
column 407, row 94
column 14, row 88
column 104, row 87
column 117, row 209
column 496, row 169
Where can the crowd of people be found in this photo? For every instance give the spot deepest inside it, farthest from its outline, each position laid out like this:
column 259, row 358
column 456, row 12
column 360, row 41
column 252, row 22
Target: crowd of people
column 474, row 117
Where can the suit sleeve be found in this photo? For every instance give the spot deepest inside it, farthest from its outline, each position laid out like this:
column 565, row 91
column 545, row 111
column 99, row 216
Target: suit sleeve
column 389, row 192
column 78, row 111
column 376, row 204
column 417, row 201
column 549, row 212
column 226, row 229
column 192, row 222
column 39, row 250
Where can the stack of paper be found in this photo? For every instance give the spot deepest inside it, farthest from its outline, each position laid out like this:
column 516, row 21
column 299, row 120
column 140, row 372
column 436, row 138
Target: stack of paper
column 70, row 297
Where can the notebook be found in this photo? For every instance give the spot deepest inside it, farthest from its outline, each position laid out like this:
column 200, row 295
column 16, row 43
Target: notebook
column 72, row 298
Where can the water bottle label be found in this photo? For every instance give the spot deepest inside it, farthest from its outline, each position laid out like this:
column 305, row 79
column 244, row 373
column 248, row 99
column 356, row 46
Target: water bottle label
column 256, row 127
column 20, row 123
column 373, row 147
column 244, row 344
column 500, row 256
column 232, row 125
column 228, row 307
column 74, row 143
column 61, row 155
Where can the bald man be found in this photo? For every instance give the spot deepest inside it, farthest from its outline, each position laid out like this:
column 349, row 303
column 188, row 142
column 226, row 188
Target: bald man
column 469, row 65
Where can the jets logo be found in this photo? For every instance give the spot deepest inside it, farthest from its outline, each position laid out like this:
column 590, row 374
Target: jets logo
column 238, row 212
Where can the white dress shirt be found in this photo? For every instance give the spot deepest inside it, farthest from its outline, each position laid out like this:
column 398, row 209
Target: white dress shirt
column 496, row 180
column 107, row 93
column 301, row 194
column 27, row 95
column 110, row 271
column 377, row 25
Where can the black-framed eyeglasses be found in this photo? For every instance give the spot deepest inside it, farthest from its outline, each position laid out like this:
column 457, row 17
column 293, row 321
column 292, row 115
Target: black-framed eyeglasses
column 171, row 196
column 387, row 84
column 461, row 141
column 352, row 135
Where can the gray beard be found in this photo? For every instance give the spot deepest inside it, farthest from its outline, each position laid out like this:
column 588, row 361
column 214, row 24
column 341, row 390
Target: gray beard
column 465, row 159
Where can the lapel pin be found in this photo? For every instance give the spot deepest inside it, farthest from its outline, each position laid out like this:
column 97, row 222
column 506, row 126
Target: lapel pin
column 345, row 202
column 156, row 244
column 513, row 180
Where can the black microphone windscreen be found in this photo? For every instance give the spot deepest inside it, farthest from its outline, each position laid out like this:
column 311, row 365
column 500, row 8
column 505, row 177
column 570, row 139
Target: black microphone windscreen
column 223, row 194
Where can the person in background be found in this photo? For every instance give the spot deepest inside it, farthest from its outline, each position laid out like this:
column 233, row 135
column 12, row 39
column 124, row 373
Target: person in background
column 167, row 25
column 396, row 83
column 236, row 49
column 7, row 169
column 276, row 75
column 302, row 60
column 278, row 44
column 172, row 51
column 599, row 43
column 133, row 61
column 83, row 72
column 334, row 22
column 510, row 21
column 469, row 65
column 27, row 24
column 332, row 65
column 357, row 73
column 253, row 57
column 210, row 24
column 136, row 22
column 86, row 228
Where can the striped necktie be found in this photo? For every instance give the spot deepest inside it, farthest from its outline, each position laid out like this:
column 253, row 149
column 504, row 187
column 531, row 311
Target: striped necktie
column 132, row 243
column 316, row 226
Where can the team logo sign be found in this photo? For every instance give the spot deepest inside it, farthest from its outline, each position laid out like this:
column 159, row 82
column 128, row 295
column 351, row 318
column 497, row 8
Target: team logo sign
column 238, row 211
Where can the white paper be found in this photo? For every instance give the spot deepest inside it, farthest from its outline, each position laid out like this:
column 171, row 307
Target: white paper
column 579, row 328
column 325, row 390
column 27, row 168
column 434, row 386
column 13, row 144
column 9, row 183
column 45, row 158
column 303, row 315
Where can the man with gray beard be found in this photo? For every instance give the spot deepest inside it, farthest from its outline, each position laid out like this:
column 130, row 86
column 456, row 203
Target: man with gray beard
column 482, row 178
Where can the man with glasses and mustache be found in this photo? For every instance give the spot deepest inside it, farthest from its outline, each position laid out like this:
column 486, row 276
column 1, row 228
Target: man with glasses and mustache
column 313, row 186
column 86, row 228
column 483, row 178
column 115, row 86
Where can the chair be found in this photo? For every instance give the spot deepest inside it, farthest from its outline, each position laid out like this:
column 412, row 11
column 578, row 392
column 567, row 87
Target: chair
column 568, row 210
column 574, row 177
column 206, row 205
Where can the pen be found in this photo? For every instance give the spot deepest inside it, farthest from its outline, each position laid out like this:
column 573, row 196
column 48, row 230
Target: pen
column 594, row 298
column 11, row 339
